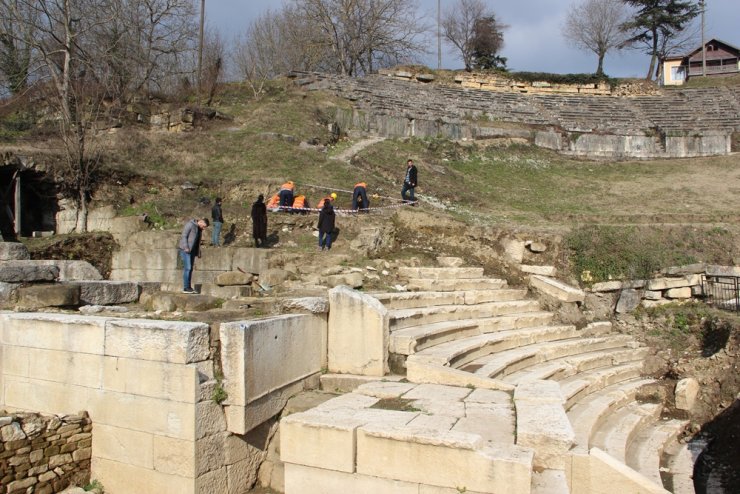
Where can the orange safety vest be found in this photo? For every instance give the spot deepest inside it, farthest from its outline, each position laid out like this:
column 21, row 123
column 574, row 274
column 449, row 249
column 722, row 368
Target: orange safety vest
column 287, row 186
column 299, row 202
column 274, row 202
column 322, row 201
column 361, row 184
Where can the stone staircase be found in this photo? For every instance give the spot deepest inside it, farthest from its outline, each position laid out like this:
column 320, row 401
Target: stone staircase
column 479, row 371
column 481, row 326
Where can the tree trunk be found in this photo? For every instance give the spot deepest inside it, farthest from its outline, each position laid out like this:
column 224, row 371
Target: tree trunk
column 600, row 68
column 81, row 226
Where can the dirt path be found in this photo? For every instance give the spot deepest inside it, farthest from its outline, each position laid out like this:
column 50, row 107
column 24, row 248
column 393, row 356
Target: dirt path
column 349, row 153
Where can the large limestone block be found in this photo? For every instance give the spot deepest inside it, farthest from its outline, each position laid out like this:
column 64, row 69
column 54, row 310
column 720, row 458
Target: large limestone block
column 539, row 270
column 150, row 378
column 122, row 477
column 557, row 289
column 27, row 271
column 415, row 455
column 599, row 473
column 542, row 424
column 78, row 369
column 234, row 278
column 124, row 445
column 65, row 332
column 8, row 292
column 74, row 270
column 107, row 292
column 514, row 249
column 259, row 357
column 358, row 333
column 242, row 419
column 629, row 299
column 713, row 270
column 441, row 273
column 667, row 283
column 678, row 293
column 40, row 296
column 163, row 341
column 319, row 440
column 13, row 251
column 352, row 280
column 686, row 392
column 450, row 262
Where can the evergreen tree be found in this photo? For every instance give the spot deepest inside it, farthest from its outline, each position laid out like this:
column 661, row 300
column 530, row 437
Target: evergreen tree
column 656, row 24
column 486, row 43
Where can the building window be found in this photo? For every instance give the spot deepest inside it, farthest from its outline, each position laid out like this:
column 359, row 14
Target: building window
column 678, row 73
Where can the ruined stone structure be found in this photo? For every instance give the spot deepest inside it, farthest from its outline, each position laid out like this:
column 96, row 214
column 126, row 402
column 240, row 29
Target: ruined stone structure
column 676, row 124
column 44, row 453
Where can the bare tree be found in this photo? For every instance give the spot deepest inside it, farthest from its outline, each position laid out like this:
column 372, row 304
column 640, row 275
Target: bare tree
column 362, row 35
column 596, row 25
column 458, row 27
column 214, row 53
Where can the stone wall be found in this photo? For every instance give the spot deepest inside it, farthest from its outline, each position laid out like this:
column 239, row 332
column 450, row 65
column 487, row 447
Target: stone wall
column 150, row 388
column 44, row 453
column 152, row 256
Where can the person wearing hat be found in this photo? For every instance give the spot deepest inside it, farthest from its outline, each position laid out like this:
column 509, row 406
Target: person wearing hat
column 331, row 198
column 189, row 249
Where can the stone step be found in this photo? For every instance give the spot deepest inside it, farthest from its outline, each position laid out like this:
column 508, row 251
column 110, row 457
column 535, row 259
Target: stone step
column 416, row 338
column 440, row 273
column 576, row 387
column 404, row 318
column 411, row 300
column 680, row 465
column 646, row 450
column 213, row 290
column 592, row 410
column 458, row 353
column 618, row 430
column 505, row 363
column 563, row 368
column 425, row 284
column 346, row 383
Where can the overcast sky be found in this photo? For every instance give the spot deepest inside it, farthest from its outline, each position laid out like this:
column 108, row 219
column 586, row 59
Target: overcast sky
column 531, row 43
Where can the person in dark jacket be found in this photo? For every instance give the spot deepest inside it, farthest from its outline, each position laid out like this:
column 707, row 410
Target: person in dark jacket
column 409, row 182
column 218, row 222
column 326, row 225
column 259, row 222
column 189, row 248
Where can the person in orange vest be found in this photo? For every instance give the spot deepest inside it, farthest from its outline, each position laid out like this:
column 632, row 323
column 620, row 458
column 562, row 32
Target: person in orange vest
column 273, row 203
column 286, row 194
column 331, row 198
column 299, row 203
column 359, row 197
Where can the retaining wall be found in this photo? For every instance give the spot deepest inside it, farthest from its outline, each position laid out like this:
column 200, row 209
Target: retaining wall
column 148, row 387
column 44, row 453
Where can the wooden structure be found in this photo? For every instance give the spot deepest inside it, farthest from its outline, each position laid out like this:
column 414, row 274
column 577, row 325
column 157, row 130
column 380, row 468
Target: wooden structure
column 721, row 58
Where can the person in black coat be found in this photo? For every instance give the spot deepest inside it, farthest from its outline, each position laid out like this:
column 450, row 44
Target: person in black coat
column 409, row 182
column 259, row 222
column 326, row 225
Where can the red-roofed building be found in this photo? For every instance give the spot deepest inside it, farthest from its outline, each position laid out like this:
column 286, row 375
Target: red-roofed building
column 721, row 59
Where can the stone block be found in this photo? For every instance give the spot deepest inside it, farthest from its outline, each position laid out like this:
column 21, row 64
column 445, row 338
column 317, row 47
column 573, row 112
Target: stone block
column 450, row 262
column 714, row 270
column 415, row 456
column 124, row 445
column 234, row 278
column 668, row 283
column 65, row 332
column 307, row 480
column 8, row 293
column 149, row 378
column 678, row 293
column 352, row 280
column 121, row 477
column 13, row 251
column 314, row 305
column 39, row 296
column 557, row 289
column 78, row 369
column 599, row 473
column 27, row 272
column 319, row 440
column 358, row 334
column 698, row 268
column 686, row 392
column 607, row 286
column 73, row 270
column 652, row 295
column 163, row 341
column 539, row 270
column 629, row 299
column 107, row 292
column 251, row 349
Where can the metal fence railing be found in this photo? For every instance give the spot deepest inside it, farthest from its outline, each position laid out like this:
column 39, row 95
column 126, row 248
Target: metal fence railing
column 722, row 292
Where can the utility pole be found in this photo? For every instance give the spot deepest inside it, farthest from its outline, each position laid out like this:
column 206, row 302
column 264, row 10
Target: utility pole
column 200, row 45
column 703, row 44
column 439, row 37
